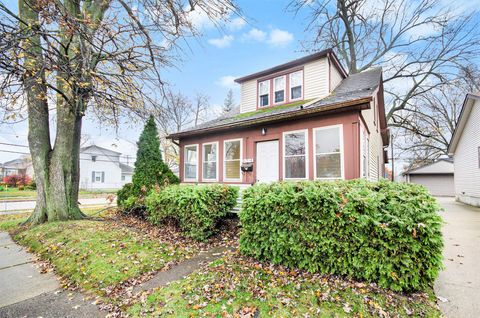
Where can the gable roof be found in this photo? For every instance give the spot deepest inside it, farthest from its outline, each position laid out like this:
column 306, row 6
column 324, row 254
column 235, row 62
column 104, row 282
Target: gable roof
column 312, row 57
column 354, row 92
column 462, row 120
column 103, row 150
column 441, row 166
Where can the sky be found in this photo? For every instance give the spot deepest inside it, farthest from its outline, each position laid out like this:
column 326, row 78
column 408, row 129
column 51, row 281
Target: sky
column 267, row 34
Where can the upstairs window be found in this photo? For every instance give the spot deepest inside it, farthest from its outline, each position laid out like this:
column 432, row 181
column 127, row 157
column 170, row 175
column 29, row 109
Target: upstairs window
column 263, row 93
column 279, row 88
column 296, row 85
column 94, row 158
column 191, row 158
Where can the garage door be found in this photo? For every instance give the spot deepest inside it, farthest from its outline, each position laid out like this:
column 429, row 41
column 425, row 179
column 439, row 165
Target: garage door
column 441, row 185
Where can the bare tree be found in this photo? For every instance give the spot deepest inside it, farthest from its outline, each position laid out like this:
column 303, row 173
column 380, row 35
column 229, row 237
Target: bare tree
column 85, row 55
column 229, row 102
column 422, row 44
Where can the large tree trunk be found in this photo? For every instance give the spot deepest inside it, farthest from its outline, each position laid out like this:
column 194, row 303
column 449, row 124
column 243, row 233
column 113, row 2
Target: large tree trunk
column 56, row 169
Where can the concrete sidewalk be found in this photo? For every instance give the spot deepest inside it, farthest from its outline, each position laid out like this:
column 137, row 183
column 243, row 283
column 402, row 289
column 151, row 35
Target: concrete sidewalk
column 24, row 292
column 7, row 206
column 458, row 286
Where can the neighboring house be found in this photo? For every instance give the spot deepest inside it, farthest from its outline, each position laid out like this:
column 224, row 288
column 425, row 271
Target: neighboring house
column 437, row 177
column 100, row 168
column 465, row 148
column 21, row 166
column 305, row 119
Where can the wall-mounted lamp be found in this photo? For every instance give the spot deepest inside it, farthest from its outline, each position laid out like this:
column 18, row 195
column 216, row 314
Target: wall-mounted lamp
column 264, row 131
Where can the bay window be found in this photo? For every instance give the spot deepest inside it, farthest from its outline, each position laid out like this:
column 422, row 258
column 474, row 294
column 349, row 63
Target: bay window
column 295, row 155
column 263, row 93
column 210, row 159
column 279, row 89
column 232, row 159
column 296, row 85
column 191, row 158
column 328, row 152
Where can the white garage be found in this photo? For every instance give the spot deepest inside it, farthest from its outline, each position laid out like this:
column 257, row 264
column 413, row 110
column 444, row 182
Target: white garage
column 437, row 177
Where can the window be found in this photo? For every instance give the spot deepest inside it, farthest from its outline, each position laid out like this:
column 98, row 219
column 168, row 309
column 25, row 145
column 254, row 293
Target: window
column 94, row 158
column 364, row 151
column 233, row 154
column 296, row 83
column 98, row 176
column 123, row 177
column 191, row 162
column 263, row 92
column 328, row 152
column 279, row 87
column 210, row 159
column 295, row 155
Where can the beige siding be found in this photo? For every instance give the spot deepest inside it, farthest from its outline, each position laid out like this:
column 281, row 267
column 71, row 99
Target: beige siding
column 375, row 158
column 466, row 161
column 248, row 93
column 336, row 77
column 316, row 79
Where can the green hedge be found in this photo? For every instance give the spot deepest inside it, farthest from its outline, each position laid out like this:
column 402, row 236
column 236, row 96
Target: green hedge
column 383, row 232
column 196, row 208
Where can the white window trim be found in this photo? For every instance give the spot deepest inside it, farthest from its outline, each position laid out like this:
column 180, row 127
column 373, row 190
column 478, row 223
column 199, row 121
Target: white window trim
column 342, row 151
column 216, row 161
column 306, row 153
column 225, row 161
column 364, row 152
column 284, row 90
column 290, row 86
column 269, row 81
column 185, row 163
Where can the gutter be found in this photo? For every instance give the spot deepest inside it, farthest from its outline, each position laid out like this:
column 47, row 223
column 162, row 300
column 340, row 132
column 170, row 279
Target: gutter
column 362, row 103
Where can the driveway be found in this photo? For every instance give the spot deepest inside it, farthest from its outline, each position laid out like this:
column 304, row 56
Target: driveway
column 458, row 286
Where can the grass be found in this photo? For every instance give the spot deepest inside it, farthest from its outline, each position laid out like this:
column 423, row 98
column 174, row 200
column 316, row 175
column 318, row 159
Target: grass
column 96, row 255
column 15, row 193
column 240, row 287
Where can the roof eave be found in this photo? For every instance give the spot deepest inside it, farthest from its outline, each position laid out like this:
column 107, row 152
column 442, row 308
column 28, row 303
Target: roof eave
column 362, row 103
column 466, row 109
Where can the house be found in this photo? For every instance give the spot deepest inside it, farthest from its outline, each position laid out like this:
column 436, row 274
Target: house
column 303, row 120
column 100, row 168
column 437, row 177
column 20, row 166
column 465, row 149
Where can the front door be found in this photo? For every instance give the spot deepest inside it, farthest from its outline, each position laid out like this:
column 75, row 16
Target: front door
column 267, row 161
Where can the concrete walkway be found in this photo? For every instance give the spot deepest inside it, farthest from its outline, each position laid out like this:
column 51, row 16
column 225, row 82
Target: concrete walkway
column 24, row 292
column 458, row 286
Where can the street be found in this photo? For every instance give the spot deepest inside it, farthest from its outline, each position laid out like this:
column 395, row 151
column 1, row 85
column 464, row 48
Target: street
column 8, row 207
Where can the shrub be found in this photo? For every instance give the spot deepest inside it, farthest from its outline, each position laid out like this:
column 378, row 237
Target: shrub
column 150, row 170
column 383, row 232
column 17, row 180
column 196, row 209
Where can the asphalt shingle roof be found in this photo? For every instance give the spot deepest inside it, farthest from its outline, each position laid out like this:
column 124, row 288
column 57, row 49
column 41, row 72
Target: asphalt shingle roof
column 355, row 87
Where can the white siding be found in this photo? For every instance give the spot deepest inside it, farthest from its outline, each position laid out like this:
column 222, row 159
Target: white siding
column 375, row 158
column 336, row 77
column 248, row 96
column 316, row 79
column 466, row 161
column 105, row 162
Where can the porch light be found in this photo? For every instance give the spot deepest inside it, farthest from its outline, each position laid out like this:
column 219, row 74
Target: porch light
column 264, row 131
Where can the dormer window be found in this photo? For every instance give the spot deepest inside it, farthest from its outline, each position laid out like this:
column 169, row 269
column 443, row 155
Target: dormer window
column 279, row 88
column 296, row 83
column 264, row 92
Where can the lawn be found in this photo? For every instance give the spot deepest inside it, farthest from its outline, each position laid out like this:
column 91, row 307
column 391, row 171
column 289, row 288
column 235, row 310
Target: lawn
column 235, row 286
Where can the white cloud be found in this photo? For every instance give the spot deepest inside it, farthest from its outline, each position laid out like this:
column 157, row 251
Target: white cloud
column 223, row 42
column 255, row 35
column 227, row 81
column 236, row 24
column 279, row 38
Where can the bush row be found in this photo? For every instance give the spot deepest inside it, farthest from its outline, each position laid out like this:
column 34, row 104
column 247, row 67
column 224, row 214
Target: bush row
column 381, row 232
column 196, row 209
